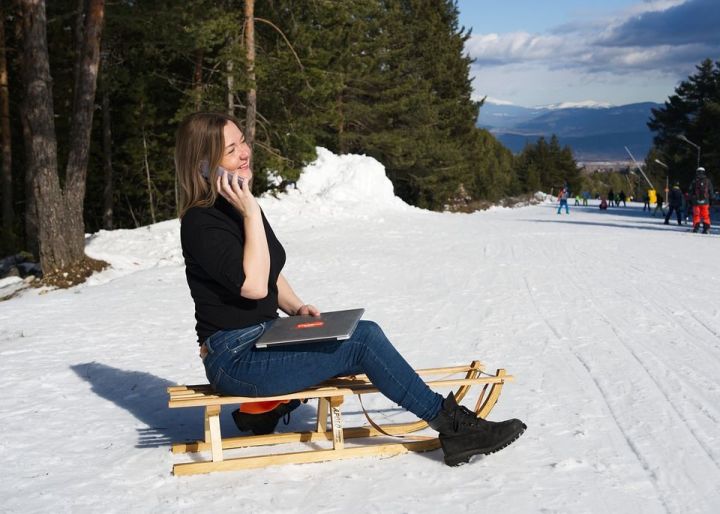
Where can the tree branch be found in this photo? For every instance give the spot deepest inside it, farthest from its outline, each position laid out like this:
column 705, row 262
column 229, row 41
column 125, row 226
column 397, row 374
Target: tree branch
column 302, row 68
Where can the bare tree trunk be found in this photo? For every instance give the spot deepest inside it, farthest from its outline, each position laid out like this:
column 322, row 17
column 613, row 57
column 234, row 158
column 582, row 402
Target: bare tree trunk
column 78, row 40
column 60, row 216
column 132, row 213
column 149, row 182
column 107, row 156
column 80, row 130
column 250, row 118
column 37, row 117
column 230, row 88
column 31, row 216
column 197, row 78
column 7, row 193
column 32, row 237
column 342, row 146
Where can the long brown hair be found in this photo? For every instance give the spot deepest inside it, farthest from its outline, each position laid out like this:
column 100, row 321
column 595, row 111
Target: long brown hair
column 199, row 138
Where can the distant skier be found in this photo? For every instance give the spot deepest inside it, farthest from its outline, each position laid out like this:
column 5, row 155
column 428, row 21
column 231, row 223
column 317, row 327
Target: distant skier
column 659, row 206
column 623, row 198
column 611, row 197
column 563, row 198
column 652, row 198
column 675, row 202
column 700, row 190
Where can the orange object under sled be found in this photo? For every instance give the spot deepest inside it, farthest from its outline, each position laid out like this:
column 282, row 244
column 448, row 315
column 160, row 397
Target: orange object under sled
column 260, row 407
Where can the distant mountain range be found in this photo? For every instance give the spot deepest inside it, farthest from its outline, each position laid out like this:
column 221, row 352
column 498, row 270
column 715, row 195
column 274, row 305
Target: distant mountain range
column 595, row 132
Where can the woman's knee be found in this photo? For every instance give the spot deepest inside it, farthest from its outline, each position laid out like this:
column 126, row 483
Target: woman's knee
column 371, row 337
column 369, row 330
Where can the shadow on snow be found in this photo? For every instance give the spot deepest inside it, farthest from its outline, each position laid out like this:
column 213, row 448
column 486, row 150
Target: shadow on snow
column 144, row 395
column 638, row 219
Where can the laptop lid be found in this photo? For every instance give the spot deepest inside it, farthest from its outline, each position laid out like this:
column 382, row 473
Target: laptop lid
column 329, row 326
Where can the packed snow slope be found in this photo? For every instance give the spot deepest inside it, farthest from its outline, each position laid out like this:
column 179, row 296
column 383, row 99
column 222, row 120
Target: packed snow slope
column 609, row 321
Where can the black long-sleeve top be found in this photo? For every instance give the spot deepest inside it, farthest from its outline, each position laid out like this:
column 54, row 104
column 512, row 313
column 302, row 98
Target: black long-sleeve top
column 212, row 241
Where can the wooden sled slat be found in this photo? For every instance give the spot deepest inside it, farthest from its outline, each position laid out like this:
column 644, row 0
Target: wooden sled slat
column 250, row 441
column 329, row 428
column 200, row 400
column 380, row 450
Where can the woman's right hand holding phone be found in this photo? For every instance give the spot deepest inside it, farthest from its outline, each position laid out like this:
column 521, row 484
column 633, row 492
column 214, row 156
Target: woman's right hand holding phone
column 239, row 195
column 256, row 255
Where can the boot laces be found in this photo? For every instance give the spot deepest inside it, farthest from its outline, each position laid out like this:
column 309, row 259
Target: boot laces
column 459, row 417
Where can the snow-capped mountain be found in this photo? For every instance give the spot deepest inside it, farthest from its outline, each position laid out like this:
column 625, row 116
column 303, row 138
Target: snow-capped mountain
column 586, row 104
column 595, row 131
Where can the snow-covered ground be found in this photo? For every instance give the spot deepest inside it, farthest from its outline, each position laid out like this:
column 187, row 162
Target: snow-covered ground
column 609, row 321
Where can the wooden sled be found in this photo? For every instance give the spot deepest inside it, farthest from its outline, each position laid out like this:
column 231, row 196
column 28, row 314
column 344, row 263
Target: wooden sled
column 331, row 395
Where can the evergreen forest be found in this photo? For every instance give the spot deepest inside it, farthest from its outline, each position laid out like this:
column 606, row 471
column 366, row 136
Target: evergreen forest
column 386, row 78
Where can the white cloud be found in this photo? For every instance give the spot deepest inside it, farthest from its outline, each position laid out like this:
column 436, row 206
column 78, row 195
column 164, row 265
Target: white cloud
column 493, row 100
column 513, row 47
column 651, row 6
column 585, row 49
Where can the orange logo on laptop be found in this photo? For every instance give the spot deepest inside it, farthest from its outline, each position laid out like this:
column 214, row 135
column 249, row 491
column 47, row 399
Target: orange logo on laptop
column 310, row 324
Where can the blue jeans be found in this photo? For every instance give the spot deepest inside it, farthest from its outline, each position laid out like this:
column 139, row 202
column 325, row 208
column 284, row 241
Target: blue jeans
column 563, row 202
column 235, row 367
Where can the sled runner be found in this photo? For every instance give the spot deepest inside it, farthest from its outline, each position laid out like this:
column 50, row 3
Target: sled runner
column 331, row 395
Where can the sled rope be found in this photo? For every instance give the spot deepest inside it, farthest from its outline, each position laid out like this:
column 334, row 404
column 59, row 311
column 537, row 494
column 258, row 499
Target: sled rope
column 380, row 429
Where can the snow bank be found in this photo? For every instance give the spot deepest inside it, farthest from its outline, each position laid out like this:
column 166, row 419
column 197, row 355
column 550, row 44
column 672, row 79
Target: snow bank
column 131, row 250
column 339, row 186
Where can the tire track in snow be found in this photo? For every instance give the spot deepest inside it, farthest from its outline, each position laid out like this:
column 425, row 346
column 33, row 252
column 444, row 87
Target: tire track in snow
column 650, row 303
column 603, row 395
column 661, row 388
column 631, row 444
column 592, row 299
column 537, row 309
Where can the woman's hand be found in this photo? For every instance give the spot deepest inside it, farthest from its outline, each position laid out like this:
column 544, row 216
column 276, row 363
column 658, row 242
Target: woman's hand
column 239, row 197
column 307, row 310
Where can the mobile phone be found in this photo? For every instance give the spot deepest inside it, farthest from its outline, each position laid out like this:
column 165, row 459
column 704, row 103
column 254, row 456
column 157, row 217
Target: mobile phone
column 205, row 172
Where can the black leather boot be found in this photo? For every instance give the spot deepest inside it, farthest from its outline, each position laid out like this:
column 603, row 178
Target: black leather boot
column 264, row 423
column 463, row 434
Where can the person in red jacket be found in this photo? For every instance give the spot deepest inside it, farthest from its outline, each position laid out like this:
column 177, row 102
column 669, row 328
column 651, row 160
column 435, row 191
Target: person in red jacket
column 700, row 194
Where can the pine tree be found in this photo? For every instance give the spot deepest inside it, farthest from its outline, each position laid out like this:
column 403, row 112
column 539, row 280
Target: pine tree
column 694, row 112
column 547, row 166
column 437, row 53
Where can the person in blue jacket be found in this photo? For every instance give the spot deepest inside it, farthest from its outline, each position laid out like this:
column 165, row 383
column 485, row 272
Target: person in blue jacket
column 563, row 199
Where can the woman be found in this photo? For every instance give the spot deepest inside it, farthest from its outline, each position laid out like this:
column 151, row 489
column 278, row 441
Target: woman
column 233, row 268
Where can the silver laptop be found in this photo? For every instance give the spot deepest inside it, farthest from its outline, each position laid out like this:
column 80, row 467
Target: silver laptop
column 329, row 326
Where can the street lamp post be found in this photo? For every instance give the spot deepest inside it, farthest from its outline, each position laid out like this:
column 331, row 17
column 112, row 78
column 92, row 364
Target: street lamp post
column 682, row 137
column 639, row 168
column 667, row 178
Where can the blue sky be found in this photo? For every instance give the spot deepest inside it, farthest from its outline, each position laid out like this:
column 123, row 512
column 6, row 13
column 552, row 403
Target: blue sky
column 611, row 51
